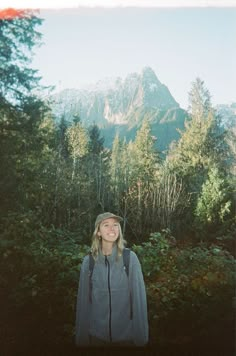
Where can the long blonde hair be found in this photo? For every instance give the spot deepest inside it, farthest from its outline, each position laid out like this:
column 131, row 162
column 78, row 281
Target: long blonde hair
column 97, row 243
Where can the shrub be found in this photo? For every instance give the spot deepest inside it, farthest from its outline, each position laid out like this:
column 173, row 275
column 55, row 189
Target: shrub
column 38, row 282
column 190, row 289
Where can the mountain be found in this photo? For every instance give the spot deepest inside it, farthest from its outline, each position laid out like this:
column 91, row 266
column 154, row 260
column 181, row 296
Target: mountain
column 120, row 105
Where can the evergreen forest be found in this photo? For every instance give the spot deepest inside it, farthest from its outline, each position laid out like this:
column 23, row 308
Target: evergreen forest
column 178, row 212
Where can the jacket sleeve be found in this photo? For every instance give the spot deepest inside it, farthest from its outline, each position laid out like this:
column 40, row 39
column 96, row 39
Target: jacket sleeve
column 139, row 302
column 83, row 306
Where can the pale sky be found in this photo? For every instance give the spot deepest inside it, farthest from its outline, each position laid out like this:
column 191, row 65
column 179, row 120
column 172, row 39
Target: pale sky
column 111, row 3
column 83, row 46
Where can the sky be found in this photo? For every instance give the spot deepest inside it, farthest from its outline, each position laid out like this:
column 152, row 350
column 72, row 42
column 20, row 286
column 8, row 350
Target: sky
column 112, row 3
column 180, row 43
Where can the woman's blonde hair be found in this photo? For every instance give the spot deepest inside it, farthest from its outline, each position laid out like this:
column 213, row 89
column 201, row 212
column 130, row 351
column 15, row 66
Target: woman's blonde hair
column 97, row 242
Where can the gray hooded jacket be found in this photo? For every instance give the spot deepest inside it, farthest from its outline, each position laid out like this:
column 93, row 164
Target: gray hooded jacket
column 108, row 317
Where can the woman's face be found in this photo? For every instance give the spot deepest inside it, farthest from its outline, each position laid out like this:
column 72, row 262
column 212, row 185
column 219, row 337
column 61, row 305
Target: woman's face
column 109, row 230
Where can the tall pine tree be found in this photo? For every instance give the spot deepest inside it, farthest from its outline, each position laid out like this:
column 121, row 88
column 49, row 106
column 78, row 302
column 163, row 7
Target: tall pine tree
column 21, row 112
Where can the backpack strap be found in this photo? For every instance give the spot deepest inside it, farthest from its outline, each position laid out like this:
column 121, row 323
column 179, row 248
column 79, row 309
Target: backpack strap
column 91, row 267
column 126, row 258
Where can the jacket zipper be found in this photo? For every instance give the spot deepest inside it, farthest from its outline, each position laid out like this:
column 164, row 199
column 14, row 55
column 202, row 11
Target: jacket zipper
column 109, row 292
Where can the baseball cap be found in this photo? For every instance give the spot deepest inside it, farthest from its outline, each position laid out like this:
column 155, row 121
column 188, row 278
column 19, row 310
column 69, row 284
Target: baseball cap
column 105, row 216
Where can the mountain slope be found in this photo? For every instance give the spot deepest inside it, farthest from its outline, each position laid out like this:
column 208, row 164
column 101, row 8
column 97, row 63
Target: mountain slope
column 121, row 105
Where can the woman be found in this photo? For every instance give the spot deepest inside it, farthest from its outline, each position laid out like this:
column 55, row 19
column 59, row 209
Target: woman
column 111, row 306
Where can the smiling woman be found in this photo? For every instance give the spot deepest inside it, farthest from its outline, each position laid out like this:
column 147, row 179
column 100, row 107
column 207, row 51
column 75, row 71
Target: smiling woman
column 108, row 233
column 111, row 284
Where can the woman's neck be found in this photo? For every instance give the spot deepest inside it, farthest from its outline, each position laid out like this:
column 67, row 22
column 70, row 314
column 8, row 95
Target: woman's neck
column 107, row 249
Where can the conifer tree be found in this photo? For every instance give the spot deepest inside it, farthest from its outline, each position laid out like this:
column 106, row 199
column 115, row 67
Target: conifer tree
column 97, row 174
column 77, row 142
column 119, row 174
column 77, row 139
column 96, row 142
column 116, row 164
column 145, row 155
column 201, row 146
column 214, row 203
column 141, row 167
column 199, row 100
column 18, row 37
column 21, row 112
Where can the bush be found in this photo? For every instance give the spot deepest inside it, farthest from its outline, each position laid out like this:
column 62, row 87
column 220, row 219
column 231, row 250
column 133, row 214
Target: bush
column 215, row 203
column 190, row 289
column 38, row 282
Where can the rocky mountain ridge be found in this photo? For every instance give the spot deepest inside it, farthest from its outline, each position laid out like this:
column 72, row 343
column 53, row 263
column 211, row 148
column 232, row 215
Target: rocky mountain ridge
column 120, row 105
column 114, row 101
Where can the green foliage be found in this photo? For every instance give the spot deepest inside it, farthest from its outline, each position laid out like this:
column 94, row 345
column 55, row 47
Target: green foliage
column 95, row 141
column 77, row 140
column 199, row 100
column 18, row 37
column 145, row 155
column 214, row 203
column 21, row 113
column 39, row 274
column 201, row 148
column 150, row 252
column 202, row 145
column 190, row 288
column 133, row 170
